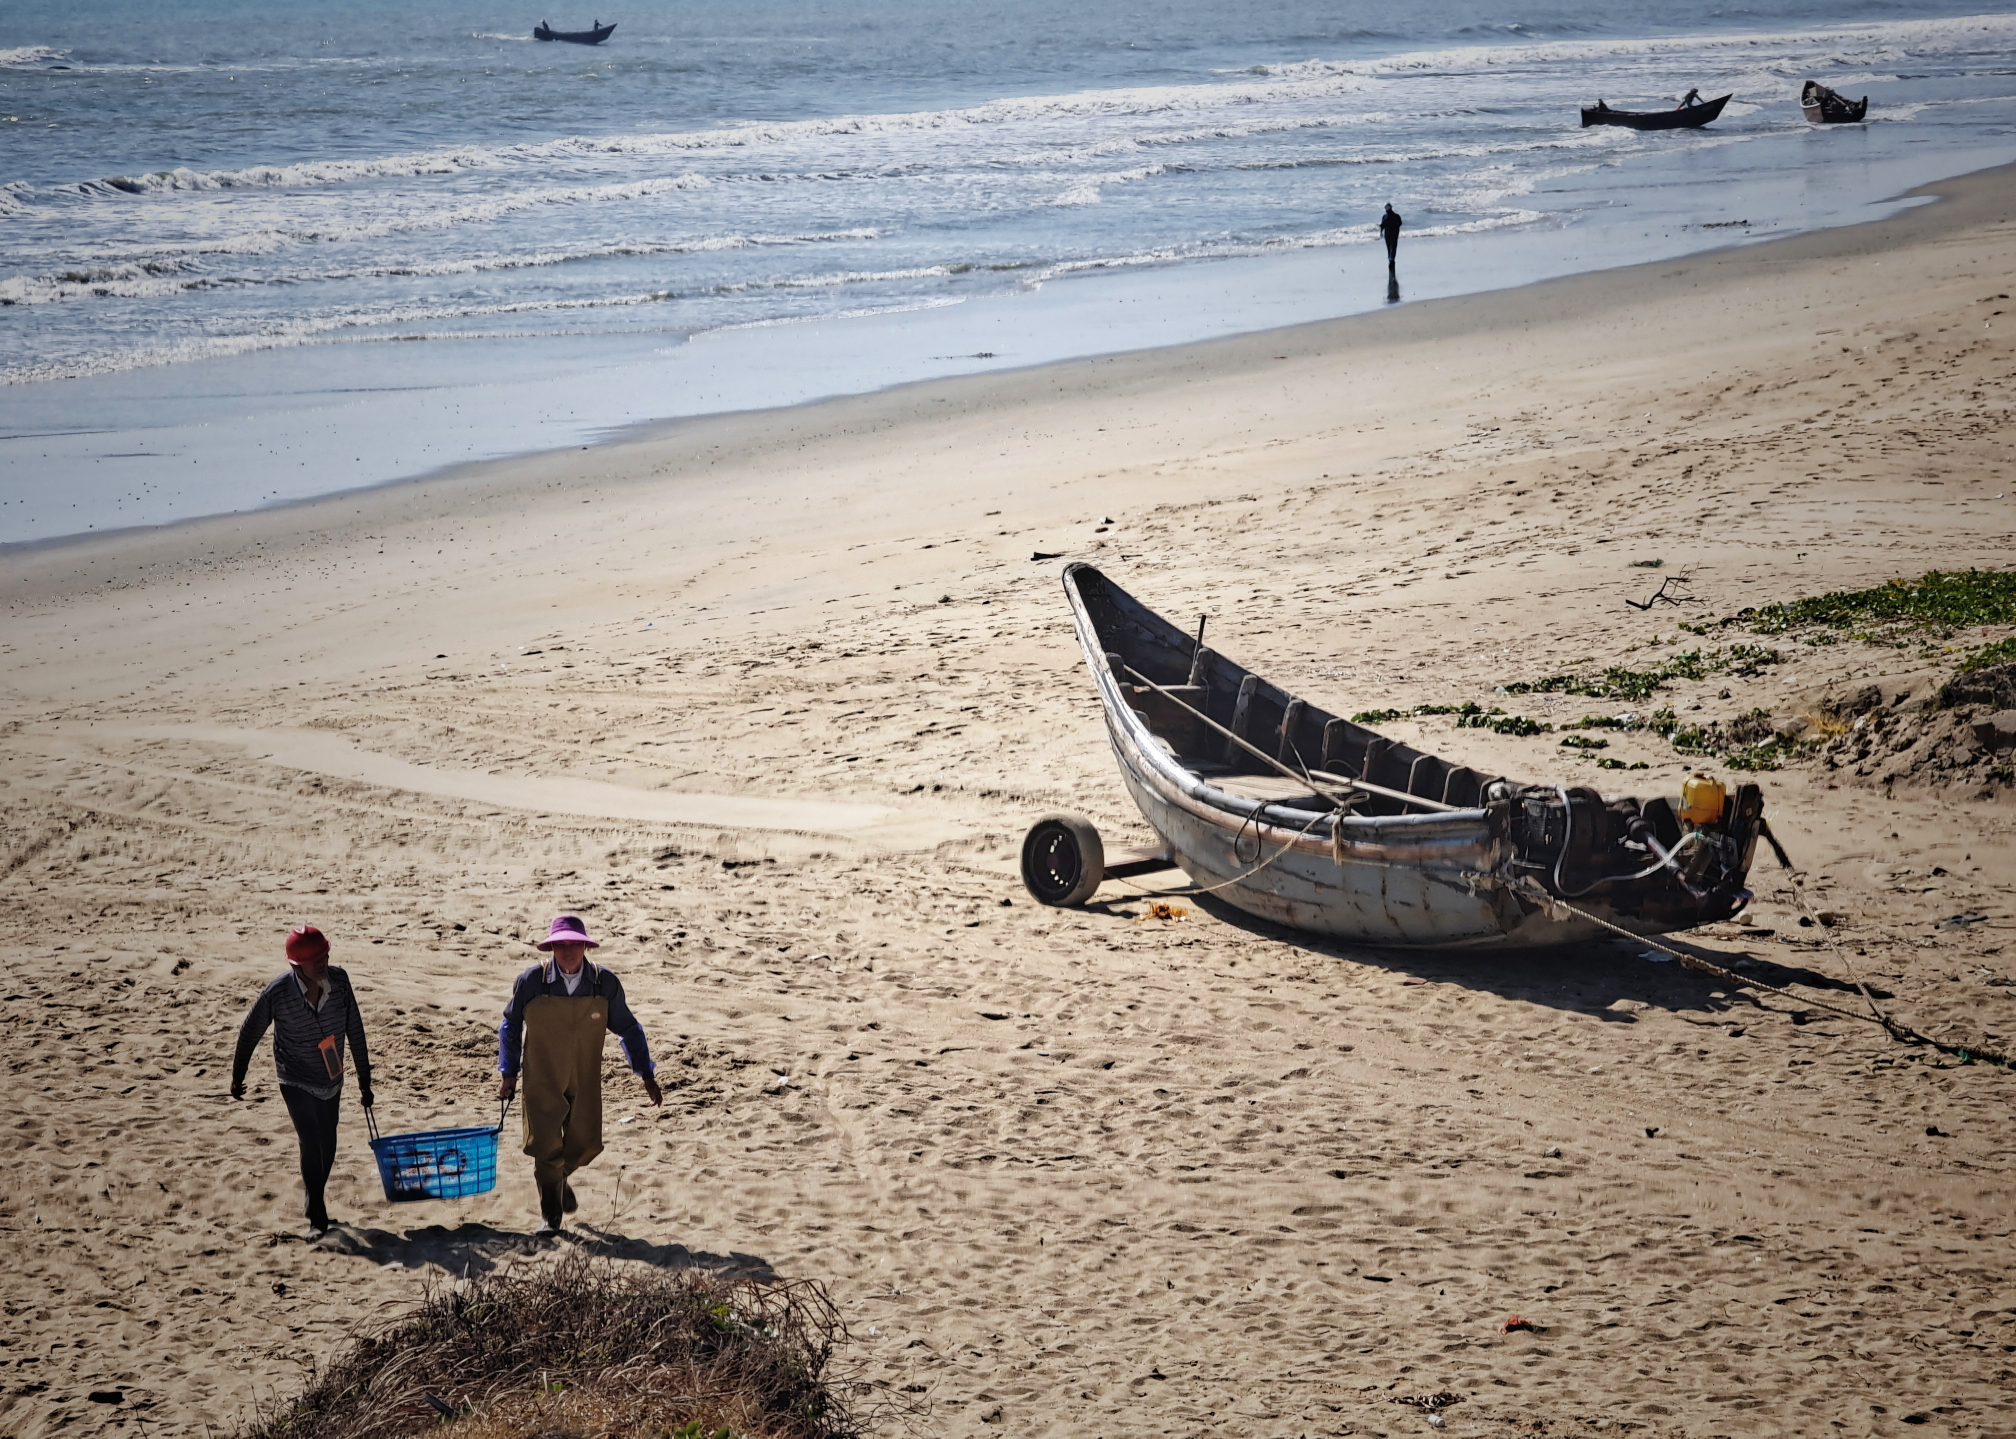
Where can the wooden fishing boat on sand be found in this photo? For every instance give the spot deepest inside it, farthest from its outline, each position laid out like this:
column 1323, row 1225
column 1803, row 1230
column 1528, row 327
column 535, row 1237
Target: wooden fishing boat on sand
column 1824, row 107
column 1322, row 824
column 1685, row 117
column 544, row 31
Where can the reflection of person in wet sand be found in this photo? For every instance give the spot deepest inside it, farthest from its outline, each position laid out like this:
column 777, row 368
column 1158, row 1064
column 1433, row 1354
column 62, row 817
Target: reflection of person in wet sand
column 553, row 1029
column 1389, row 227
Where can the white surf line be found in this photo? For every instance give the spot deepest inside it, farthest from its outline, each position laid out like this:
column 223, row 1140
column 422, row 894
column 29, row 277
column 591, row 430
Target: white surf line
column 326, row 753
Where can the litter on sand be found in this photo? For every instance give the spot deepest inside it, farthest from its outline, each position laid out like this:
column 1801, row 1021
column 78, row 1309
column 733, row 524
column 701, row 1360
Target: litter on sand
column 1430, row 1402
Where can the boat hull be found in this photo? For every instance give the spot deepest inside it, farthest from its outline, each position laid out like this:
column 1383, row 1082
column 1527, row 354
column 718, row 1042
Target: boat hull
column 1690, row 117
column 1412, row 889
column 1438, row 880
column 575, row 37
column 1824, row 107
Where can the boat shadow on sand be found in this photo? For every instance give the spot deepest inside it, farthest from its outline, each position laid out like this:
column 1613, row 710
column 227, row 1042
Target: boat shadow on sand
column 470, row 1249
column 1587, row 978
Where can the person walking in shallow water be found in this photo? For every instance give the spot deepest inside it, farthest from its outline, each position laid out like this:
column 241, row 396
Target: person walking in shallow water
column 312, row 1012
column 552, row 1033
column 1389, row 229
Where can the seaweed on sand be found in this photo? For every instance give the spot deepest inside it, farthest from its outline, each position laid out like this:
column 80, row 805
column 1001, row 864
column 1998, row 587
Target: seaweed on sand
column 1469, row 715
column 1619, row 682
column 588, row 1348
column 1939, row 600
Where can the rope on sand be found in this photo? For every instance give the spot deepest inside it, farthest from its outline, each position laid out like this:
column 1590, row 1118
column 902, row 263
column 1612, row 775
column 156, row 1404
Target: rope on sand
column 1556, row 907
column 1904, row 1034
column 1897, row 1031
column 1826, row 931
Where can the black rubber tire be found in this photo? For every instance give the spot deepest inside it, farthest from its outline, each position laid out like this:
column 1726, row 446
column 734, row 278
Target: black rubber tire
column 1063, row 860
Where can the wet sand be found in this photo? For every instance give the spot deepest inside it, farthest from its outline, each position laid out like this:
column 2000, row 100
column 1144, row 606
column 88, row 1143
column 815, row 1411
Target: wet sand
column 770, row 699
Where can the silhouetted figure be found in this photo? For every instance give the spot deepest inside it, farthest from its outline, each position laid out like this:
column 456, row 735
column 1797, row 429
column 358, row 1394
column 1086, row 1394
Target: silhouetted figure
column 1693, row 97
column 1389, row 227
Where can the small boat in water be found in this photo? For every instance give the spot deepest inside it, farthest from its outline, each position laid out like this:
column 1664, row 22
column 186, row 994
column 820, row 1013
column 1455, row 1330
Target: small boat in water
column 1319, row 823
column 545, row 31
column 1682, row 117
column 1824, row 107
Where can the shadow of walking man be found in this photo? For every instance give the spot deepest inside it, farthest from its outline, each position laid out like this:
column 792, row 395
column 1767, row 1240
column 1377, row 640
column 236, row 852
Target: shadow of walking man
column 480, row 1248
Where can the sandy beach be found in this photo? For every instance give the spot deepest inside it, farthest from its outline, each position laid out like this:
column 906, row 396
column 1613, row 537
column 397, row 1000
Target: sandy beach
column 769, row 700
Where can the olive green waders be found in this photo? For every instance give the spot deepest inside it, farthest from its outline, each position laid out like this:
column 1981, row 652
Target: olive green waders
column 560, row 1079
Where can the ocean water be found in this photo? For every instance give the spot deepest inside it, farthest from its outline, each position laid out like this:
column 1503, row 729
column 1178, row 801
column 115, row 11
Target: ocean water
column 230, row 218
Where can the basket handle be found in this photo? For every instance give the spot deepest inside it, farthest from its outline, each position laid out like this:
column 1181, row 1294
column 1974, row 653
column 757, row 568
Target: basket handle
column 501, row 1114
column 371, row 1123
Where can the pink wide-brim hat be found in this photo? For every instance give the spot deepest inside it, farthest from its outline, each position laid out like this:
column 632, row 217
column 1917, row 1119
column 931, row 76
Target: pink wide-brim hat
column 567, row 930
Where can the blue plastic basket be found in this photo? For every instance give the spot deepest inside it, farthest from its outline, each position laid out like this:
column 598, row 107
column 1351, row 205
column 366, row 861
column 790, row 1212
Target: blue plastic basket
column 436, row 1163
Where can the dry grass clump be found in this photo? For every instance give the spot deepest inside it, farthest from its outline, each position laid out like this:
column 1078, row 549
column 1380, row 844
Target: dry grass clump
column 588, row 1349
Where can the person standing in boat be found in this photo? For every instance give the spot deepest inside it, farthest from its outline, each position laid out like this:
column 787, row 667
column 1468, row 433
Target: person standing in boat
column 553, row 1027
column 1693, row 97
column 1389, row 230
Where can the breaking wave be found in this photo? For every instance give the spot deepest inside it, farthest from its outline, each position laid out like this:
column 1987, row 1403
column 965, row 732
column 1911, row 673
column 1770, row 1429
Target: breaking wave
column 1845, row 45
column 315, row 329
column 456, row 213
column 1089, row 105
column 1086, row 190
column 176, row 276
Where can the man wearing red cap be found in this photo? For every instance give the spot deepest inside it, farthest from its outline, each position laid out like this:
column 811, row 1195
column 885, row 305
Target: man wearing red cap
column 552, row 1031
column 312, row 1013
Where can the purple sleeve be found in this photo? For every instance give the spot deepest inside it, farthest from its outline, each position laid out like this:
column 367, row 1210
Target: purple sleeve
column 623, row 1024
column 511, row 1033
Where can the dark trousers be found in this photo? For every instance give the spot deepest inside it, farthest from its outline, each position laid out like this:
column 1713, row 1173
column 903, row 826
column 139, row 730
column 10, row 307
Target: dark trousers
column 315, row 1126
column 1392, row 247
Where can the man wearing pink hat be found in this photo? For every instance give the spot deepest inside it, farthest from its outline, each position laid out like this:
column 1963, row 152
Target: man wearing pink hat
column 312, row 1013
column 552, row 1033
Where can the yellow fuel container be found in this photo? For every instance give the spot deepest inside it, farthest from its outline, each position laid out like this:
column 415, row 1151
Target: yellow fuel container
column 1701, row 800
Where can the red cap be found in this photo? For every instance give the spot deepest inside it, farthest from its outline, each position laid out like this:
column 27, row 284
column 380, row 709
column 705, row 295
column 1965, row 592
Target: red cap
column 307, row 943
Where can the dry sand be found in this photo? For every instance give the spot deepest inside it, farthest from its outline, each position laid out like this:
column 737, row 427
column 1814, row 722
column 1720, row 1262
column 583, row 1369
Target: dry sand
column 769, row 699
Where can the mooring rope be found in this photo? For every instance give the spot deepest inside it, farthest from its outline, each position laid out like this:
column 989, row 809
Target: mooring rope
column 1826, row 930
column 1897, row 1031
column 1902, row 1033
column 1237, row 878
column 1556, row 906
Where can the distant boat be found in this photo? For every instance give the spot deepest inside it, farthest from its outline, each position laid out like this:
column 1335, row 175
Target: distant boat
column 601, row 32
column 1824, row 107
column 1686, row 117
